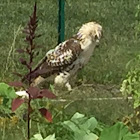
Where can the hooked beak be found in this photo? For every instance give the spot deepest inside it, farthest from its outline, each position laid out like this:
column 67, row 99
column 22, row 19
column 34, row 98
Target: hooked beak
column 98, row 36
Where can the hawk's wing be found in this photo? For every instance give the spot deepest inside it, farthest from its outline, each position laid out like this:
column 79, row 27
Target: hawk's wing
column 59, row 58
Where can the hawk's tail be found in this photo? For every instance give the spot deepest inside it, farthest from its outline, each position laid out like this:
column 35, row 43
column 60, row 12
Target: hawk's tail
column 35, row 72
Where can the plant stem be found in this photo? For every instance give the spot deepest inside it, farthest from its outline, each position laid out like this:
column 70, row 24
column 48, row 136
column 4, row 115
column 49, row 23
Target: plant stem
column 30, row 39
column 29, row 101
column 29, row 106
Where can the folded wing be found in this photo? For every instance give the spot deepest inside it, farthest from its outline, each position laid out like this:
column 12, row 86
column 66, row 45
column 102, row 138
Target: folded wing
column 59, row 59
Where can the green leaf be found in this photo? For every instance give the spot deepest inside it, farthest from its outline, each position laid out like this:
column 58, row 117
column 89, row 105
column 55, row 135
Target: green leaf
column 7, row 91
column 38, row 137
column 118, row 132
column 90, row 124
column 79, row 121
column 82, row 127
column 7, row 102
column 85, row 136
column 77, row 115
column 81, row 135
column 90, row 136
column 50, row 137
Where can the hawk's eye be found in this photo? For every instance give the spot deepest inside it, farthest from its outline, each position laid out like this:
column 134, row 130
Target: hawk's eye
column 96, row 37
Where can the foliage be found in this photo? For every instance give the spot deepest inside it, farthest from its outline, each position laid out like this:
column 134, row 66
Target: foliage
column 32, row 92
column 82, row 127
column 39, row 137
column 131, row 85
column 118, row 132
column 7, row 91
column 7, row 94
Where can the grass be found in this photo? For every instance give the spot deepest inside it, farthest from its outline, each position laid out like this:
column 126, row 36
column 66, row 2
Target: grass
column 107, row 66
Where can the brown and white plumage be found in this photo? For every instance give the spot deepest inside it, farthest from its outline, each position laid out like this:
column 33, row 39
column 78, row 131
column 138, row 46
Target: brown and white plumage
column 70, row 56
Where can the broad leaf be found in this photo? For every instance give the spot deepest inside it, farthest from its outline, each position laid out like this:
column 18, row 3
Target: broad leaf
column 90, row 124
column 16, row 103
column 77, row 116
column 82, row 127
column 16, row 84
column 7, row 103
column 45, row 113
column 37, row 93
column 118, row 132
column 79, row 121
column 46, row 93
column 37, row 137
column 50, row 137
column 90, row 136
column 7, row 91
column 34, row 92
column 85, row 136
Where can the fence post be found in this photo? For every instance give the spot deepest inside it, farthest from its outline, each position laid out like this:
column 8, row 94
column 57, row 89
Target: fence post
column 61, row 20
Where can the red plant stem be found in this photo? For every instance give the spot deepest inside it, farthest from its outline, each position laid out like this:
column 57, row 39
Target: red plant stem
column 29, row 106
column 29, row 101
column 31, row 55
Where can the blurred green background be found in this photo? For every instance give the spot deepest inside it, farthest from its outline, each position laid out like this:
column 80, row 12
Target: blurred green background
column 119, row 44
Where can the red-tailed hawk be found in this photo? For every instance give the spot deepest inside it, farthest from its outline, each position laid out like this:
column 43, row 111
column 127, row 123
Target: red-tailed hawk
column 69, row 56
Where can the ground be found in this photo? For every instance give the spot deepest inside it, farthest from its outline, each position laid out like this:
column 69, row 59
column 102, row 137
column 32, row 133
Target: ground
column 103, row 101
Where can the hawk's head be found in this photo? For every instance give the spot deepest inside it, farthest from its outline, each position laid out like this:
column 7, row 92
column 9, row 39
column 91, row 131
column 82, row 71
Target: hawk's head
column 91, row 31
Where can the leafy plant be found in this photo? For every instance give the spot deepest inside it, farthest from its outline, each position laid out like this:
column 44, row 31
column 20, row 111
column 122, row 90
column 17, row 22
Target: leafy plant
column 7, row 91
column 118, row 132
column 7, row 94
column 39, row 137
column 32, row 92
column 131, row 87
column 131, row 84
column 85, row 128
column 82, row 127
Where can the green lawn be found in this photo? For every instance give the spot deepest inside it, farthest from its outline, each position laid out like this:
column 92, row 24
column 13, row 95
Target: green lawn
column 119, row 43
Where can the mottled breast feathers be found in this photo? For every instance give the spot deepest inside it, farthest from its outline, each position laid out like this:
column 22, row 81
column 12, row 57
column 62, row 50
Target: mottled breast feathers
column 64, row 54
column 61, row 57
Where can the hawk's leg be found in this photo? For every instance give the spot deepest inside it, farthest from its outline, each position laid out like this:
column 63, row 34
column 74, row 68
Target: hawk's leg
column 63, row 80
column 68, row 86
